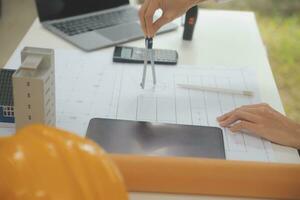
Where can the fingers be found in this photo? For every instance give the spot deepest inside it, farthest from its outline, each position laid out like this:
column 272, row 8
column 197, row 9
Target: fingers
column 254, row 108
column 159, row 23
column 152, row 7
column 146, row 16
column 239, row 115
column 244, row 126
column 225, row 116
column 245, row 118
column 164, row 19
column 142, row 13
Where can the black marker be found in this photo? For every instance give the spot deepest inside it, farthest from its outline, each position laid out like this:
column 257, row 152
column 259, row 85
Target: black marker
column 190, row 22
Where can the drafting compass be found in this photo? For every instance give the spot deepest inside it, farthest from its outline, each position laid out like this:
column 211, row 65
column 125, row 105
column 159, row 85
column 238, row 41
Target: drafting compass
column 148, row 54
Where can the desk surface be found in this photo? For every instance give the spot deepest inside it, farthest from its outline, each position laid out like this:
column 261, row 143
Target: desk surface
column 222, row 38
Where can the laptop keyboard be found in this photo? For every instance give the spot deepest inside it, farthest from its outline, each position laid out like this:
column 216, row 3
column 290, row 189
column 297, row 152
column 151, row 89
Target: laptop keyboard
column 90, row 23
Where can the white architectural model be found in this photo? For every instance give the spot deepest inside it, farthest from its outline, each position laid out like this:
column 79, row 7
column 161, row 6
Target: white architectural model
column 34, row 88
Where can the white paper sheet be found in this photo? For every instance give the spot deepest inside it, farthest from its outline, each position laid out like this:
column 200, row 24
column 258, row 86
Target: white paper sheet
column 90, row 85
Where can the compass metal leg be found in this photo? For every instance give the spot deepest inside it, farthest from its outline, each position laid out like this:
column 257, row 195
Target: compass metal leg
column 145, row 68
column 153, row 67
column 148, row 52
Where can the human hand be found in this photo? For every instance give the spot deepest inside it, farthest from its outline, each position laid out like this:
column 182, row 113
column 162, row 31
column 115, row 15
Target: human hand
column 263, row 121
column 171, row 9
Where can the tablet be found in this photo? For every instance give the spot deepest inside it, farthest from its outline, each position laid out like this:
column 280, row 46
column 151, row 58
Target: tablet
column 156, row 139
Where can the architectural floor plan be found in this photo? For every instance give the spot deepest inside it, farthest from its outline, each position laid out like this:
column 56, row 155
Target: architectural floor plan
column 89, row 85
column 86, row 89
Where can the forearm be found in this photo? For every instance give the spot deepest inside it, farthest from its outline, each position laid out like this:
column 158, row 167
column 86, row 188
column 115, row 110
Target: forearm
column 297, row 136
column 293, row 134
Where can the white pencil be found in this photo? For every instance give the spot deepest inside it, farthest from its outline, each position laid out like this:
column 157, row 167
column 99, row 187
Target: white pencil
column 214, row 89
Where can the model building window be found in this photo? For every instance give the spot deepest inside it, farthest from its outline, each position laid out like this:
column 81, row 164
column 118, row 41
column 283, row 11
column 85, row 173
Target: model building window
column 8, row 111
column 6, row 96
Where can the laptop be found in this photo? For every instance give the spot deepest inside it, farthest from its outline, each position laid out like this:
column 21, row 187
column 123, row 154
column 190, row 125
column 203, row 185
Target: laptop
column 92, row 24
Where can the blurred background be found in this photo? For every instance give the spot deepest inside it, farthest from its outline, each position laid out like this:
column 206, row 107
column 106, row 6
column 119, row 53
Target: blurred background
column 278, row 20
column 279, row 24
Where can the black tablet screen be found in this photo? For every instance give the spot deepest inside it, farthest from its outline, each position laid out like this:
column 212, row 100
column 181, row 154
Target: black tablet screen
column 156, row 139
column 58, row 9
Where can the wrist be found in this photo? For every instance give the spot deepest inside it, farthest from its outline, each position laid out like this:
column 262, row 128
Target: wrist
column 298, row 136
column 295, row 129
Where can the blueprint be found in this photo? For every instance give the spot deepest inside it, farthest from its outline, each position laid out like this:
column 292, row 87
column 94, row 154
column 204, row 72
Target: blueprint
column 90, row 85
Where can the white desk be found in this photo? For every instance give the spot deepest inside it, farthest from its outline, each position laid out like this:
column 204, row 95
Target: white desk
column 221, row 38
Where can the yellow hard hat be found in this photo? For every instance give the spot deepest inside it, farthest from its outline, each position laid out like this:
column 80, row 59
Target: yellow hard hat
column 40, row 162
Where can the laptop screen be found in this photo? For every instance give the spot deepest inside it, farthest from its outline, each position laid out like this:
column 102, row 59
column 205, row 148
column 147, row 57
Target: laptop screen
column 58, row 9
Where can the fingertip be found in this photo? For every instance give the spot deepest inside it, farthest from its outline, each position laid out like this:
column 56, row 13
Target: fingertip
column 148, row 31
column 219, row 118
column 222, row 117
column 225, row 123
column 222, row 124
column 151, row 35
column 232, row 130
